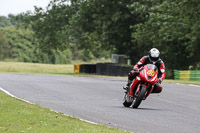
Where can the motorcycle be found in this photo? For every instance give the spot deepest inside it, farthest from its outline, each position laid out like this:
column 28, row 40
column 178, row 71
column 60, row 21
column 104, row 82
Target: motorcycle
column 141, row 86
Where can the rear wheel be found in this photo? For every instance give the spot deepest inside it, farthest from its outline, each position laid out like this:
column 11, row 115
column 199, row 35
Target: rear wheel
column 139, row 97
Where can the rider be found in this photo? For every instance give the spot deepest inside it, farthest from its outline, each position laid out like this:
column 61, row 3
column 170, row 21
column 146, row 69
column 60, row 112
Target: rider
column 152, row 58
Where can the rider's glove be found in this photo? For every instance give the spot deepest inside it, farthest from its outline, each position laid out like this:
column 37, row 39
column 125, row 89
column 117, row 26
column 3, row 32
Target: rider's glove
column 160, row 80
column 136, row 69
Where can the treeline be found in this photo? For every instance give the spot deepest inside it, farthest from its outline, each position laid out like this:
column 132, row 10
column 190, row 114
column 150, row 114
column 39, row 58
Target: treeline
column 19, row 43
column 95, row 28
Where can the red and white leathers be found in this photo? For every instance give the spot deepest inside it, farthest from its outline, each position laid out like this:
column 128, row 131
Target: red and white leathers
column 161, row 71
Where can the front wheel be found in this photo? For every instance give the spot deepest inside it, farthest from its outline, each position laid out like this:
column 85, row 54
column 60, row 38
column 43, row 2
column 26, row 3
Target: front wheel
column 139, row 97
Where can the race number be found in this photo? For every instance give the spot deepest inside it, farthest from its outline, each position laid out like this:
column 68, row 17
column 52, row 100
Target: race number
column 151, row 72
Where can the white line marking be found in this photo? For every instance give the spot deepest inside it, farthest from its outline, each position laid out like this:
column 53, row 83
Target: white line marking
column 8, row 93
column 89, row 121
column 194, row 85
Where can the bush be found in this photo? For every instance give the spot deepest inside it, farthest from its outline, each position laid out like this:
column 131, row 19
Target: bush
column 169, row 74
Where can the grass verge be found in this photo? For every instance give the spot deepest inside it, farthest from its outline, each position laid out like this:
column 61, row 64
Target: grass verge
column 35, row 68
column 17, row 116
column 182, row 82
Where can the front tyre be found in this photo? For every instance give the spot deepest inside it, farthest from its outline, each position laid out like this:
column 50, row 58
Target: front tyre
column 139, row 97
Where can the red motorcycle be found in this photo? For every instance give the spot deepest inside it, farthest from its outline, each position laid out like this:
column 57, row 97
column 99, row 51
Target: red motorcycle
column 142, row 86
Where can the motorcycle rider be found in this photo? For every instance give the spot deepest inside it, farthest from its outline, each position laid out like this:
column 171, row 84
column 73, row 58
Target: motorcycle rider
column 152, row 58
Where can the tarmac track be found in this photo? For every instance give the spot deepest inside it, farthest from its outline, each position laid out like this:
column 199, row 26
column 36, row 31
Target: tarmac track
column 175, row 110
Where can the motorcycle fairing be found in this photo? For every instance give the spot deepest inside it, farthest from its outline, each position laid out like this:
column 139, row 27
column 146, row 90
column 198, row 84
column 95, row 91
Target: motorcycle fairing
column 147, row 78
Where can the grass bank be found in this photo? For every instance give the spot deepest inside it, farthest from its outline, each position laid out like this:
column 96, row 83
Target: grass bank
column 17, row 116
column 35, row 68
column 182, row 82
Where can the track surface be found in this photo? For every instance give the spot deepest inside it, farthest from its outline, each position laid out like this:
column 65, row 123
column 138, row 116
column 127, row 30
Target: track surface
column 175, row 110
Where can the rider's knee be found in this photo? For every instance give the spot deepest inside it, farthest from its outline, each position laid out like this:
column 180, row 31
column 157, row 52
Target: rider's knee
column 157, row 88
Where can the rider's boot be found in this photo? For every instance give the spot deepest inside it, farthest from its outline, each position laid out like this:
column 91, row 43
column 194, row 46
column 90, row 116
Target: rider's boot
column 131, row 77
column 127, row 86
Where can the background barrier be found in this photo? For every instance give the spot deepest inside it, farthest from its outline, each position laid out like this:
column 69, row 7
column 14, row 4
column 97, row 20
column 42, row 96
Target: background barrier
column 111, row 69
column 114, row 69
column 88, row 68
column 76, row 68
column 187, row 75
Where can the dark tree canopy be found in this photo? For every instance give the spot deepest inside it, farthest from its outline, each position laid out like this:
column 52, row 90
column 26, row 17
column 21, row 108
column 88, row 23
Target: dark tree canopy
column 97, row 28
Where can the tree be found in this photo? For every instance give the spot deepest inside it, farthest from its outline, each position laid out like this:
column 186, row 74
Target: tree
column 172, row 27
column 4, row 46
column 4, row 21
column 92, row 27
column 107, row 25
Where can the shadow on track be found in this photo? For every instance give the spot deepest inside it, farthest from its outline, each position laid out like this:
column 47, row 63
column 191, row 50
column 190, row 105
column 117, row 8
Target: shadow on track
column 147, row 109
column 137, row 108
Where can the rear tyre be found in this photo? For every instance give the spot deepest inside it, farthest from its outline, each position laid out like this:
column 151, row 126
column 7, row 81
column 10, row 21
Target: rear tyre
column 139, row 97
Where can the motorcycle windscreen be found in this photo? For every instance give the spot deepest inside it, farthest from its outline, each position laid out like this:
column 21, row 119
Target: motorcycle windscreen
column 152, row 67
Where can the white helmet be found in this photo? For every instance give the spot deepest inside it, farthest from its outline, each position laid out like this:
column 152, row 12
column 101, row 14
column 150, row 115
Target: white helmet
column 154, row 55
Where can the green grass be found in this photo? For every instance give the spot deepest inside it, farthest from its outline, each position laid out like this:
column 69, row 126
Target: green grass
column 35, row 68
column 182, row 82
column 17, row 116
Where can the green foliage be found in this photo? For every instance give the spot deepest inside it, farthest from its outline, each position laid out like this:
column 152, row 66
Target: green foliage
column 7, row 21
column 50, row 25
column 4, row 47
column 104, row 24
column 63, row 57
column 173, row 27
column 90, row 29
column 19, row 45
column 4, row 21
column 60, row 27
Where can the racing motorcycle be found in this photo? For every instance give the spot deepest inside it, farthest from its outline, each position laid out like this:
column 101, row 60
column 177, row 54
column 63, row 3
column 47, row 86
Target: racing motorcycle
column 142, row 86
